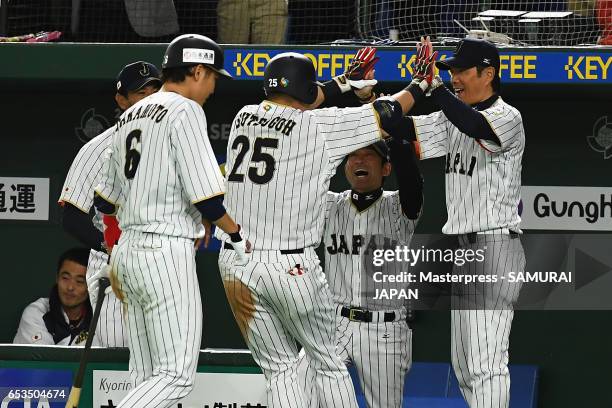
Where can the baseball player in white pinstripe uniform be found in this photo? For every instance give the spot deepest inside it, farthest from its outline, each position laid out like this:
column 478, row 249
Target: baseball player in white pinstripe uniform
column 483, row 140
column 162, row 179
column 371, row 332
column 281, row 157
column 135, row 82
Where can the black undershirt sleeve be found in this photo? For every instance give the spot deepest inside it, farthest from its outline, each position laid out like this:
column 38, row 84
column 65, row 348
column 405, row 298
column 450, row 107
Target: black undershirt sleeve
column 408, row 174
column 80, row 226
column 464, row 117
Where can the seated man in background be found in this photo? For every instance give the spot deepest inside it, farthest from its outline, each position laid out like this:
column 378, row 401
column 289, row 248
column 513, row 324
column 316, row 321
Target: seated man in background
column 63, row 318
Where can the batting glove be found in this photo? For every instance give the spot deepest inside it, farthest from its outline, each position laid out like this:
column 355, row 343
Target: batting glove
column 241, row 247
column 355, row 76
column 424, row 64
column 241, row 250
column 93, row 283
column 435, row 83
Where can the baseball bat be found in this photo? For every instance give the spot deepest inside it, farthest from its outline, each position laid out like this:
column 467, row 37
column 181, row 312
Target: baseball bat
column 75, row 392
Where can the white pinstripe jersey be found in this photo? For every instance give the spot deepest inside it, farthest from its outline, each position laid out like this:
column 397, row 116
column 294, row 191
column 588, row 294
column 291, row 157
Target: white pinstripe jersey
column 159, row 164
column 279, row 164
column 350, row 238
column 84, row 175
column 483, row 179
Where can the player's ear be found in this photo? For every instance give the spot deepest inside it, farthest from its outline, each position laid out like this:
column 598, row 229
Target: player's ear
column 386, row 171
column 122, row 101
column 490, row 71
column 199, row 72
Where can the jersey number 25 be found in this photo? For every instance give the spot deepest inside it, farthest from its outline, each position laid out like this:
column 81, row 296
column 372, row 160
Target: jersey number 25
column 242, row 143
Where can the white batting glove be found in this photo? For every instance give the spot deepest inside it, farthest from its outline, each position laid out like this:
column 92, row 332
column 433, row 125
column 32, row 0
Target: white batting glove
column 93, row 283
column 241, row 249
column 241, row 246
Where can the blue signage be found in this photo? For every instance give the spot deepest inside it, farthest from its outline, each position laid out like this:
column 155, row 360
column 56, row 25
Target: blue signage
column 525, row 65
column 34, row 388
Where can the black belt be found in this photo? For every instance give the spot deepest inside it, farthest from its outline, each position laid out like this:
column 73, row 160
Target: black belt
column 472, row 237
column 362, row 315
column 227, row 245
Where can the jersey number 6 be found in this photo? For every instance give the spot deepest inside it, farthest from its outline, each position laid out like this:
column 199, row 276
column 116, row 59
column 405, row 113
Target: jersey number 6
column 132, row 156
column 242, row 142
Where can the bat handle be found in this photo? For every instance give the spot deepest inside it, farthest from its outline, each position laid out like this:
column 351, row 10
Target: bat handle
column 75, row 393
column 104, row 283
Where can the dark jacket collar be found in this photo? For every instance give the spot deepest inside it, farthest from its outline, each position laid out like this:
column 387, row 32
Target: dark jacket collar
column 56, row 323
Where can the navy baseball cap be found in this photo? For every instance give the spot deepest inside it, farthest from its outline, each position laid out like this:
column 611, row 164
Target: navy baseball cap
column 470, row 53
column 136, row 76
column 382, row 149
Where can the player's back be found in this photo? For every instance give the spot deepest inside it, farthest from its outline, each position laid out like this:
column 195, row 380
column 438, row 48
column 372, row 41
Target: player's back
column 279, row 164
column 154, row 155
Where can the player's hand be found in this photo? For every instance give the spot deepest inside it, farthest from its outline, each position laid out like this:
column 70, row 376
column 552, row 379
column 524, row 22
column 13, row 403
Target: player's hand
column 93, row 283
column 362, row 67
column 241, row 248
column 207, row 234
column 366, row 94
column 424, row 64
column 359, row 76
column 437, row 81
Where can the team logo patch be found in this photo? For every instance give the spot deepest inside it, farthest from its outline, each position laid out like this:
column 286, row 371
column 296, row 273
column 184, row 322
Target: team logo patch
column 458, row 48
column 601, row 139
column 92, row 124
column 118, row 85
column 81, row 337
column 144, row 71
column 297, row 270
column 199, row 55
column 284, row 82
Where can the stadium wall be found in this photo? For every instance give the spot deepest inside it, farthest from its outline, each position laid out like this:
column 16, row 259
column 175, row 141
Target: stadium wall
column 57, row 96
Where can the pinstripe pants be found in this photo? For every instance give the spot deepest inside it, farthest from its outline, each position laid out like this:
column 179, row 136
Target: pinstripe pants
column 481, row 320
column 275, row 309
column 156, row 277
column 381, row 353
column 110, row 331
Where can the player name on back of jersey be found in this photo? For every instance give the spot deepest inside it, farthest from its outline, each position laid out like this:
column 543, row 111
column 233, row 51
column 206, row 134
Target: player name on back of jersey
column 278, row 123
column 153, row 111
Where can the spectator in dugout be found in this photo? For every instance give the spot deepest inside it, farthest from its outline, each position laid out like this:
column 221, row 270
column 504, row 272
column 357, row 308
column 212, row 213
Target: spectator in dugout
column 63, row 318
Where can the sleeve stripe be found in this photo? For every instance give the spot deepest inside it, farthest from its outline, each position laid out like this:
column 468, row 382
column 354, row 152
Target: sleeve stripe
column 199, row 200
column 483, row 146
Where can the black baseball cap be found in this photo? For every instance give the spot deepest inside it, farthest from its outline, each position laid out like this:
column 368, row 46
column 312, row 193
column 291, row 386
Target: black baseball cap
column 470, row 53
column 136, row 76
